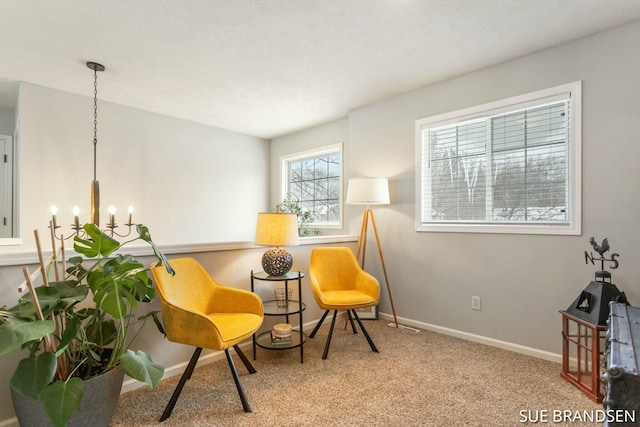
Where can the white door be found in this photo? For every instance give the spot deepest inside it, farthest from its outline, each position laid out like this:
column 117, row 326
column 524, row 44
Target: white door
column 6, row 186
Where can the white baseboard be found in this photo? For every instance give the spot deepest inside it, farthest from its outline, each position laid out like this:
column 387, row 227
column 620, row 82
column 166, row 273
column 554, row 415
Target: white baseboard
column 529, row 351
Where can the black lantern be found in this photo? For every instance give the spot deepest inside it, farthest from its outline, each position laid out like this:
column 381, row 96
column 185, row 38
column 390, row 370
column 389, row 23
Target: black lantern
column 592, row 305
column 584, row 327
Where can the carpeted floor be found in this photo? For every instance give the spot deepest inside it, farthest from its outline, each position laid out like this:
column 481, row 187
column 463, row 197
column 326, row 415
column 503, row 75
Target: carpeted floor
column 417, row 379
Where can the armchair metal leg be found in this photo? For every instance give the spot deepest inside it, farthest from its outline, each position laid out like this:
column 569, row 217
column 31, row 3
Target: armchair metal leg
column 326, row 346
column 236, row 379
column 244, row 359
column 315, row 330
column 351, row 315
column 364, row 331
column 185, row 376
column 353, row 325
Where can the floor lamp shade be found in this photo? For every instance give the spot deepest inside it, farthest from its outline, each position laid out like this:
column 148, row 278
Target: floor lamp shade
column 277, row 229
column 368, row 191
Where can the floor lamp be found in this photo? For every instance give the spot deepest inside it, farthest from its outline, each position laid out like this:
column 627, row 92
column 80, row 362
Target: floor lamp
column 370, row 191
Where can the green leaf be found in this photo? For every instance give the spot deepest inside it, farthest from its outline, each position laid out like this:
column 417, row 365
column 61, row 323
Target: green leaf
column 61, row 400
column 57, row 297
column 156, row 321
column 145, row 235
column 139, row 366
column 101, row 333
column 48, row 298
column 115, row 303
column 98, row 243
column 69, row 334
column 76, row 269
column 15, row 332
column 96, row 278
column 71, row 291
column 33, row 374
column 143, row 291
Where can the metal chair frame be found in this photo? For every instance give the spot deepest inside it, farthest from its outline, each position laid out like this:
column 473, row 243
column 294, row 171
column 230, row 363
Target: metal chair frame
column 353, row 327
column 189, row 370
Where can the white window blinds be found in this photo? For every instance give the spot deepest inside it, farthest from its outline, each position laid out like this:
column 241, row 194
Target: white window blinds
column 511, row 164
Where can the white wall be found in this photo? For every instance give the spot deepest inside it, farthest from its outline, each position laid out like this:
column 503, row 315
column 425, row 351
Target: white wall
column 523, row 280
column 7, row 121
column 188, row 182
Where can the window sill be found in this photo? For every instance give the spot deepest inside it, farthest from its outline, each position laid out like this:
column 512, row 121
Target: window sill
column 544, row 229
column 31, row 257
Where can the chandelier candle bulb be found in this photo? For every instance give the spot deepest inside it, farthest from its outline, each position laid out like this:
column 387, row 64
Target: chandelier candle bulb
column 112, row 216
column 130, row 210
column 54, row 211
column 76, row 219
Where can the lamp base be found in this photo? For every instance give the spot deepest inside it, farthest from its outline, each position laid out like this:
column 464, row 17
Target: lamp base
column 277, row 261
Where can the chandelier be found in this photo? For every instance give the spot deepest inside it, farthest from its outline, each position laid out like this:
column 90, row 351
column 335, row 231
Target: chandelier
column 95, row 186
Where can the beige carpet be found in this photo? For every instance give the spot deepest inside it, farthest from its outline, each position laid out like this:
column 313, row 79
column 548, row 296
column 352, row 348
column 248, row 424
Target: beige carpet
column 417, row 379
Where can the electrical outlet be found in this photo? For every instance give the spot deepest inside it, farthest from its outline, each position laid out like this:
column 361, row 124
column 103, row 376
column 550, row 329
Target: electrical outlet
column 475, row 303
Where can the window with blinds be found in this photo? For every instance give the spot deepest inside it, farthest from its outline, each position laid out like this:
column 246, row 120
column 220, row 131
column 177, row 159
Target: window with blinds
column 508, row 166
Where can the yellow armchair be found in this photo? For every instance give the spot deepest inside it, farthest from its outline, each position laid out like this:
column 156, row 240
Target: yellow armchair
column 339, row 283
column 199, row 312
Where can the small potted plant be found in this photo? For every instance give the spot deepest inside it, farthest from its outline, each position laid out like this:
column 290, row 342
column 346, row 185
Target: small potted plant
column 290, row 204
column 82, row 327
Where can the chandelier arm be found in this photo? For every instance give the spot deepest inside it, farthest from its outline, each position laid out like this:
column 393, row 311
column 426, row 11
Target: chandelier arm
column 61, row 237
column 112, row 230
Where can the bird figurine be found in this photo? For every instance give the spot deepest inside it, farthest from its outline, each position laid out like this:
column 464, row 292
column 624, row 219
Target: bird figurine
column 602, row 248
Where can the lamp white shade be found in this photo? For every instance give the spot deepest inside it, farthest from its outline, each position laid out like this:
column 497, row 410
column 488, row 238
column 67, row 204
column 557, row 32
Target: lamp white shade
column 368, row 191
column 277, row 229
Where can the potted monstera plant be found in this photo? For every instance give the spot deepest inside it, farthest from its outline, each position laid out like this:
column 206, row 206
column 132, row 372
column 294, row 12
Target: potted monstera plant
column 80, row 329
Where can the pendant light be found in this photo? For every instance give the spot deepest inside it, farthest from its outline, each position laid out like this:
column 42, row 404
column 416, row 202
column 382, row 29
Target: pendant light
column 95, row 186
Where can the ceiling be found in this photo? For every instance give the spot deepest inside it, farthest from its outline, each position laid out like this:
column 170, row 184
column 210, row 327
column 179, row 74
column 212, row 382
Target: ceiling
column 272, row 67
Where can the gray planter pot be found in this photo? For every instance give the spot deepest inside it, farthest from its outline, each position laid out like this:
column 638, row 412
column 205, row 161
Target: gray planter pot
column 98, row 403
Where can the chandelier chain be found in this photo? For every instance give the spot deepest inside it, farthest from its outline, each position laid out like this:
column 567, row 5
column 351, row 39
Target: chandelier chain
column 95, row 119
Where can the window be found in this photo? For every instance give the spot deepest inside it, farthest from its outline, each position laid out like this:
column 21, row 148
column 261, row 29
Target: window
column 511, row 166
column 314, row 178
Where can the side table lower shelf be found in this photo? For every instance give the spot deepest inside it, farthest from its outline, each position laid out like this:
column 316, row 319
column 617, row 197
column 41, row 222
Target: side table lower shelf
column 298, row 338
column 264, row 340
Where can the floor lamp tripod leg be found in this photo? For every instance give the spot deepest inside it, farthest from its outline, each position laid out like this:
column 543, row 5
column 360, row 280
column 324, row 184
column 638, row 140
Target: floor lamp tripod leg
column 362, row 241
column 384, row 268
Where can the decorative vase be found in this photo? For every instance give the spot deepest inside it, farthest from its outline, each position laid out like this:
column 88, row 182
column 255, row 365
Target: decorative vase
column 98, row 404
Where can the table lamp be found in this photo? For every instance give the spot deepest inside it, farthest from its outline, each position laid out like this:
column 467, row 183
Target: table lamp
column 277, row 229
